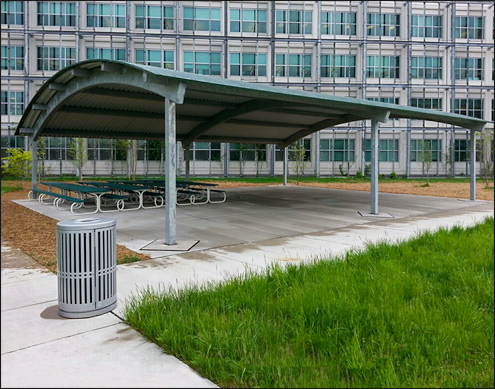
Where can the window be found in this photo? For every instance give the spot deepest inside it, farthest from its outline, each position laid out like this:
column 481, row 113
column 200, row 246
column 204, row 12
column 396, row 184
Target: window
column 427, row 103
column 12, row 142
column 114, row 54
column 12, row 102
column 468, row 68
column 106, row 15
column 469, row 107
column 338, row 23
column 429, row 68
column 154, row 17
column 201, row 19
column 417, row 148
column 383, row 25
column 205, row 151
column 382, row 67
column 55, row 58
column 100, row 149
column 12, row 57
column 155, row 150
column 294, row 22
column 426, row 26
column 461, row 149
column 388, row 150
column 469, row 27
column 389, row 100
column 161, row 59
column 247, row 64
column 293, row 65
column 247, row 20
column 56, row 14
column 248, row 152
column 12, row 12
column 279, row 153
column 340, row 150
column 57, row 148
column 202, row 62
column 338, row 66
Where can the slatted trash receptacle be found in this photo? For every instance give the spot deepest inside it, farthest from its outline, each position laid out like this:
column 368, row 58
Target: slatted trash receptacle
column 86, row 267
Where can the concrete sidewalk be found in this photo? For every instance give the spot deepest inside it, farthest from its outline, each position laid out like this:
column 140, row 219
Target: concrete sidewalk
column 256, row 227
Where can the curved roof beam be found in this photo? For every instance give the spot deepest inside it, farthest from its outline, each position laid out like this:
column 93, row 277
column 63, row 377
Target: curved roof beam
column 170, row 89
column 227, row 114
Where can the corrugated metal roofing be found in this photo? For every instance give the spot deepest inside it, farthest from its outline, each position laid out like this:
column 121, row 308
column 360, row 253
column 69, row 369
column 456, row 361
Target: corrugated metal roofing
column 113, row 99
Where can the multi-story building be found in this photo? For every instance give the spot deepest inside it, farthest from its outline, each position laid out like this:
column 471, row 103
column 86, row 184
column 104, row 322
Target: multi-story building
column 437, row 55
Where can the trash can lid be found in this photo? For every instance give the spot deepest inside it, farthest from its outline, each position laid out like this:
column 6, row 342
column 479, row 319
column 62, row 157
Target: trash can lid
column 87, row 223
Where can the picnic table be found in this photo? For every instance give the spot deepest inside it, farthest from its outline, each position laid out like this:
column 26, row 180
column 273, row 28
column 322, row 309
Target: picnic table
column 80, row 192
column 119, row 188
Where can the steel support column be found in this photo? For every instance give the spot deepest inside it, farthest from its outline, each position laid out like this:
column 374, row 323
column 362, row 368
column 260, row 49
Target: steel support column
column 188, row 161
column 374, row 167
column 170, row 174
column 286, row 164
column 34, row 164
column 472, row 166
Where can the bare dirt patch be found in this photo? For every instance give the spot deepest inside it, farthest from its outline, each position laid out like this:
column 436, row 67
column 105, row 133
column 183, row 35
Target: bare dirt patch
column 35, row 234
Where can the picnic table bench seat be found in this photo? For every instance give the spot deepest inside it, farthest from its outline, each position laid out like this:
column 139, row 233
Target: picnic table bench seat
column 56, row 196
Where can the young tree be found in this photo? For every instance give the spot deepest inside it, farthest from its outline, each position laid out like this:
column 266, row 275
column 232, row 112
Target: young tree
column 18, row 163
column 41, row 142
column 243, row 148
column 426, row 157
column 260, row 150
column 78, row 155
column 297, row 155
column 485, row 145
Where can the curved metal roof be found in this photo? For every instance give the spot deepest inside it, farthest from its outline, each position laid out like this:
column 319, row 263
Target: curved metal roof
column 113, row 99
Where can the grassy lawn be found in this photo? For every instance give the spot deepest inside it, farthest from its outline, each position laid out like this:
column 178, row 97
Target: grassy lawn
column 416, row 314
column 6, row 188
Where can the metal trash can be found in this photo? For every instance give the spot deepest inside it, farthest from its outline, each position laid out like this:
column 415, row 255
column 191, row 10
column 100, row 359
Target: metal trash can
column 86, row 267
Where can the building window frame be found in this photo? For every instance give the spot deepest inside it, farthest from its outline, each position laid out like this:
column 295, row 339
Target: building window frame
column 337, row 150
column 56, row 14
column 158, row 58
column 469, row 107
column 427, row 103
column 248, row 20
column 203, row 62
column 205, row 151
column 293, row 65
column 471, row 27
column 155, row 17
column 383, row 24
column 12, row 142
column 426, row 26
column 337, row 66
column 416, row 150
column 12, row 103
column 388, row 150
column 385, row 66
column 12, row 58
column 338, row 23
column 294, row 22
column 468, row 68
column 427, row 68
column 12, row 12
column 106, row 15
column 55, row 58
column 105, row 53
column 247, row 64
column 195, row 19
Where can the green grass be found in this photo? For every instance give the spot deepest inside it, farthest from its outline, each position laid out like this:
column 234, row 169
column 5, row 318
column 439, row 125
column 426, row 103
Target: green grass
column 6, row 188
column 416, row 314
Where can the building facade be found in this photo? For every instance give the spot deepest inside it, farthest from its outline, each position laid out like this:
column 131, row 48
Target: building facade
column 437, row 55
